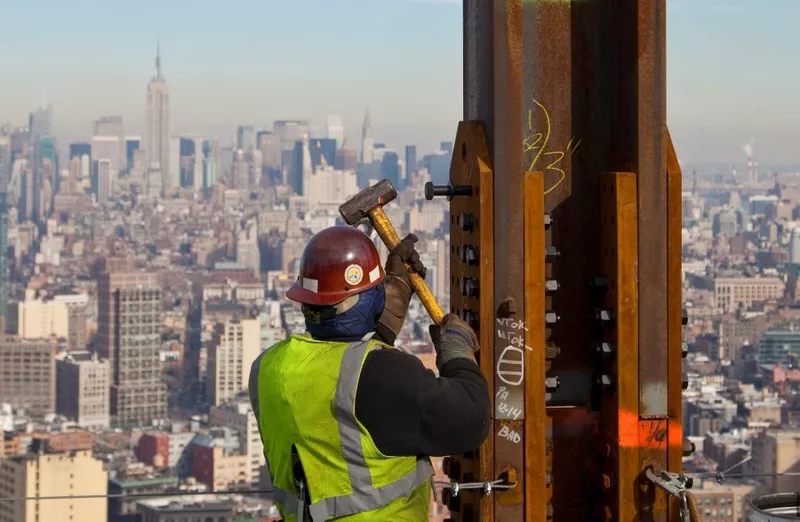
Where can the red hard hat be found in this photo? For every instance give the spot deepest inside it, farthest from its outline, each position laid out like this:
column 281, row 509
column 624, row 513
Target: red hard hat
column 337, row 263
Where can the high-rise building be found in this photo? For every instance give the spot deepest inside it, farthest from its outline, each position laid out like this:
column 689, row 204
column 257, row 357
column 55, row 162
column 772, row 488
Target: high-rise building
column 346, row 159
column 107, row 148
column 289, row 131
column 390, row 167
column 245, row 137
column 5, row 161
column 132, row 144
column 235, row 346
column 321, row 152
column 83, row 389
column 411, row 162
column 27, row 374
column 60, row 315
column 334, row 129
column 174, row 166
column 3, row 260
column 112, row 126
column 367, row 141
column 101, row 180
column 209, row 172
column 794, row 247
column 247, row 252
column 128, row 304
column 157, row 131
column 77, row 150
column 44, row 474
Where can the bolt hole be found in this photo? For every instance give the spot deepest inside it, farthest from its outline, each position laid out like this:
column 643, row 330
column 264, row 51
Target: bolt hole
column 464, row 151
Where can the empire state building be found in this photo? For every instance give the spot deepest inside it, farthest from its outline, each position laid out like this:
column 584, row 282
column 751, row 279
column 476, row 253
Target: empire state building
column 156, row 140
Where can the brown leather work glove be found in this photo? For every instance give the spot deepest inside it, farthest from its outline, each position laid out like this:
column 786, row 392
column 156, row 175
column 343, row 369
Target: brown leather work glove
column 453, row 339
column 402, row 261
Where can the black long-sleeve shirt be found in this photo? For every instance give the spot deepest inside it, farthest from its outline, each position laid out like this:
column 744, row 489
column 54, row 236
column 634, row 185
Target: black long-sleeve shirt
column 409, row 411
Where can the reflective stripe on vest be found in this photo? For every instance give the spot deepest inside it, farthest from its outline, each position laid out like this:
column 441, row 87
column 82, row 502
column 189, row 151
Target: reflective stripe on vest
column 364, row 497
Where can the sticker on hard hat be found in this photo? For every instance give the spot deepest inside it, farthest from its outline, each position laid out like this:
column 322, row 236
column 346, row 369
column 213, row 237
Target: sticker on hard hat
column 353, row 274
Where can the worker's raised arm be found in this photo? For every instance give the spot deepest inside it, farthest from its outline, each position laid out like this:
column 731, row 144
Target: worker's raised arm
column 409, row 411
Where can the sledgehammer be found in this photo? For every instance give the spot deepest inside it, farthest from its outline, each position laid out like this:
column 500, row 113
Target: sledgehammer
column 369, row 204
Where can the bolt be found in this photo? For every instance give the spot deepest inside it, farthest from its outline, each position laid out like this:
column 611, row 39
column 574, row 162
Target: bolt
column 470, row 318
column 551, row 351
column 607, row 483
column 469, row 287
column 604, row 316
column 606, row 349
column 507, row 308
column 467, row 222
column 551, row 318
column 551, row 254
column 549, row 511
column 689, row 482
column 548, row 221
column 606, row 381
column 551, row 383
column 469, row 255
column 684, row 350
column 684, row 317
column 548, row 478
column 685, row 384
column 551, row 285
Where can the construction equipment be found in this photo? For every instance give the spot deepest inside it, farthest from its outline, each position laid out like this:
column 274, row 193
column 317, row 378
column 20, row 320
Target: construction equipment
column 368, row 204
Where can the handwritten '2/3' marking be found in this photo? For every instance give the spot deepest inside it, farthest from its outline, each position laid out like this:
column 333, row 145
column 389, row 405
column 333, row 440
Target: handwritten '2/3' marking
column 536, row 143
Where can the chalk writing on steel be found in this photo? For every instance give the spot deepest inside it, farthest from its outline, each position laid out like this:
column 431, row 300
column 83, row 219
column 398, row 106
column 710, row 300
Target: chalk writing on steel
column 536, row 143
column 507, row 410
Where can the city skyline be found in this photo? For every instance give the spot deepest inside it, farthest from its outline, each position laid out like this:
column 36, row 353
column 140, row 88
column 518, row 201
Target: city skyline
column 226, row 69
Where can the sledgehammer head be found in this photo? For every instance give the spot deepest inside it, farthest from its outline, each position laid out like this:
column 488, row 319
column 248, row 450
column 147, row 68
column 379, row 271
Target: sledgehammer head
column 358, row 207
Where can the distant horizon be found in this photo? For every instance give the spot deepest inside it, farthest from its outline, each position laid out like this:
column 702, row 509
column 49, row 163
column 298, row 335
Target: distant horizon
column 306, row 59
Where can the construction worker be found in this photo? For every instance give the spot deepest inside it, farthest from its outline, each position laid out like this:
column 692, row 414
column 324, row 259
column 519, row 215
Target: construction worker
column 347, row 420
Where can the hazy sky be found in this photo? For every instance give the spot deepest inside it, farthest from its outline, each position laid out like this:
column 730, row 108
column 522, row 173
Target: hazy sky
column 732, row 67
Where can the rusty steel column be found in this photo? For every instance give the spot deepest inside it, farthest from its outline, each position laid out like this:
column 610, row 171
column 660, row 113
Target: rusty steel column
column 574, row 89
column 493, row 96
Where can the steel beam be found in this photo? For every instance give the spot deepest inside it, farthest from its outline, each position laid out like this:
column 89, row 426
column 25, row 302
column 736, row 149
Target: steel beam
column 575, row 89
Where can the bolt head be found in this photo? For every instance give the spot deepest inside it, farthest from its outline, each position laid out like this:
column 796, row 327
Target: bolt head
column 551, row 285
column 605, row 348
column 551, row 318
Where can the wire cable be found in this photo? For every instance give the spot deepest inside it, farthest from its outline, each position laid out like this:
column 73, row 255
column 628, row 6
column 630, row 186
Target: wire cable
column 142, row 495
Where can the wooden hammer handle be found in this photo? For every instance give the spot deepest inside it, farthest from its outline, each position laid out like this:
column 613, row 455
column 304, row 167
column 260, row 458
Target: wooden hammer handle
column 387, row 233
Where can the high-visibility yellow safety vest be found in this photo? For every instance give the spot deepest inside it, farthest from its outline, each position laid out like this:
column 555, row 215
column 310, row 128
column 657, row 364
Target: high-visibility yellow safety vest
column 306, row 399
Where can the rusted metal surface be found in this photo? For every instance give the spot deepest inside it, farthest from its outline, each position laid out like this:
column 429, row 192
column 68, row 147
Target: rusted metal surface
column 620, row 404
column 472, row 227
column 575, row 89
column 651, row 166
column 493, row 95
column 537, row 492
column 674, row 328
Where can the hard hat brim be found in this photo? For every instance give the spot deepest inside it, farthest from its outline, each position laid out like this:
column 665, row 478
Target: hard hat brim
column 299, row 294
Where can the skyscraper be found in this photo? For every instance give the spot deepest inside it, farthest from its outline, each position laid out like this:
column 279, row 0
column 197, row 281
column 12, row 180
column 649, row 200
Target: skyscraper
column 79, row 149
column 334, row 129
column 5, row 160
column 113, row 126
column 128, row 304
column 411, row 163
column 3, row 257
column 132, row 144
column 367, row 141
column 157, row 132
